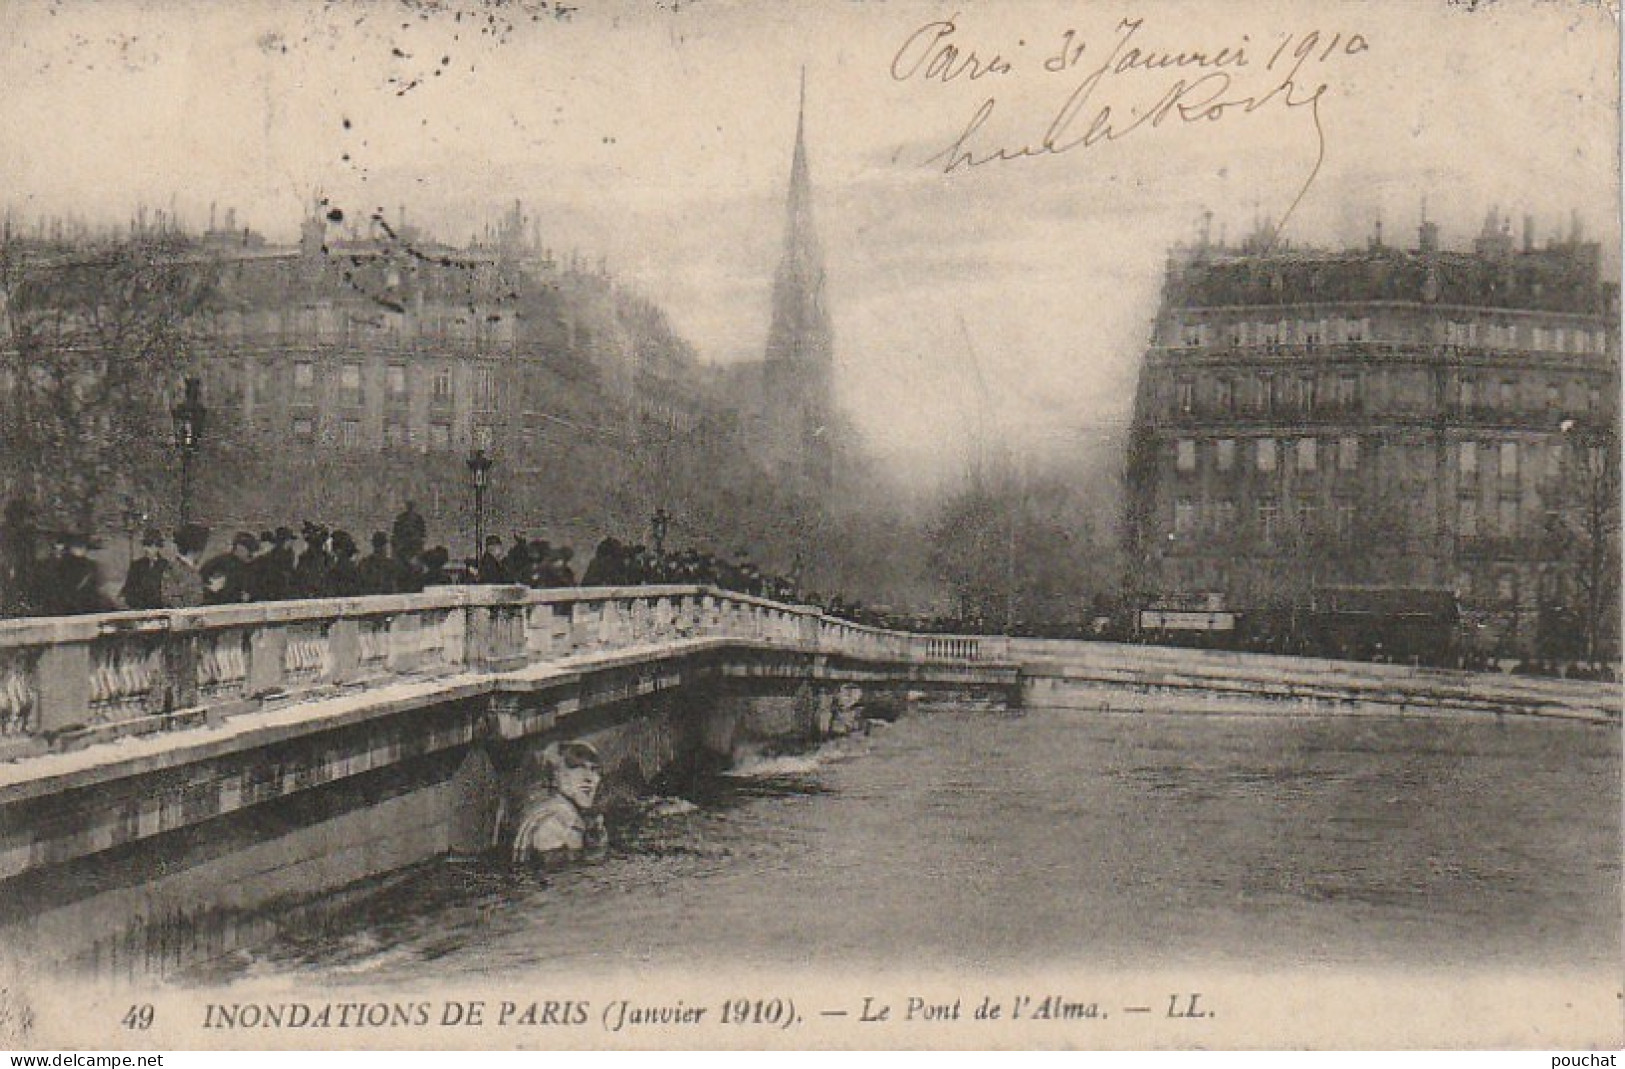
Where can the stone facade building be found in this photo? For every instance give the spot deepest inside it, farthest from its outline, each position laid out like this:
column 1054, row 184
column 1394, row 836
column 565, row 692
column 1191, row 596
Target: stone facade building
column 1351, row 432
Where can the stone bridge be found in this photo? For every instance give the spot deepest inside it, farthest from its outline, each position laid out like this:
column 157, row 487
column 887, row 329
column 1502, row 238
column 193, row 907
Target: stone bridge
column 170, row 781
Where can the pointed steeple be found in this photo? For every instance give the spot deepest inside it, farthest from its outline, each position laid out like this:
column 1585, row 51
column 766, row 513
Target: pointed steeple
column 799, row 372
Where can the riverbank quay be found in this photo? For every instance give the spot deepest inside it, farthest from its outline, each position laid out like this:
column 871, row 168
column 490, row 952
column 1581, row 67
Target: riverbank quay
column 176, row 780
column 1117, row 677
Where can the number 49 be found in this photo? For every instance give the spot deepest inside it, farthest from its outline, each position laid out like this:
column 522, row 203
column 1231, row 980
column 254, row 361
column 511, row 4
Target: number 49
column 139, row 1017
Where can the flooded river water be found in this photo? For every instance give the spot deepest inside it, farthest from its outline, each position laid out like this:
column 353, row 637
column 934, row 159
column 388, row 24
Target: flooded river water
column 964, row 839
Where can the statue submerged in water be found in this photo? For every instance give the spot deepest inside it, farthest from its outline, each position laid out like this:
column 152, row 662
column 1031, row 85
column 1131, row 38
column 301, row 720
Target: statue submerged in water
column 557, row 822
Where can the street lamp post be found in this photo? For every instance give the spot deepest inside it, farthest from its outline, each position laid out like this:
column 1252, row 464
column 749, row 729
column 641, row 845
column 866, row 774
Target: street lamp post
column 190, row 417
column 659, row 525
column 134, row 519
column 479, row 467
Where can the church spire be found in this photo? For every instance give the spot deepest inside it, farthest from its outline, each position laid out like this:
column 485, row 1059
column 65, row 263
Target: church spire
column 799, row 372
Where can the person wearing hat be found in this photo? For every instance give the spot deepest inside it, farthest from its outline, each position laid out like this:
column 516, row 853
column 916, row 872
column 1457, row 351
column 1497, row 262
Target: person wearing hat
column 226, row 575
column 343, row 577
column 310, row 573
column 183, row 580
column 377, row 570
column 144, row 582
column 557, row 822
column 273, row 569
column 78, row 580
column 490, row 568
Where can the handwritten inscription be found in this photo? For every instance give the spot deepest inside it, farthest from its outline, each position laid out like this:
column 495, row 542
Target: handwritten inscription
column 1118, row 86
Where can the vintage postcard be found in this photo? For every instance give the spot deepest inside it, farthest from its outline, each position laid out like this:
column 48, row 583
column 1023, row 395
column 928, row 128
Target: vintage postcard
column 711, row 524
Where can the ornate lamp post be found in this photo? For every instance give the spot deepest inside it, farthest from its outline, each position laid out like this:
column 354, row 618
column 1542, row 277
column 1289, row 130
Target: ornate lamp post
column 659, row 525
column 190, row 417
column 479, row 467
column 134, row 519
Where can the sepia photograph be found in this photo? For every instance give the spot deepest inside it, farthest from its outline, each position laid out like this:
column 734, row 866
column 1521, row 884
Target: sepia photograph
column 717, row 524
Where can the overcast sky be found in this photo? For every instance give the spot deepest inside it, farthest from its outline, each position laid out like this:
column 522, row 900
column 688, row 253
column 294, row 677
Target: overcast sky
column 659, row 135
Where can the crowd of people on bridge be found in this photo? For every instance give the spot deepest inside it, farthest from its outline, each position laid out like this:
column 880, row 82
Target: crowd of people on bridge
column 276, row 565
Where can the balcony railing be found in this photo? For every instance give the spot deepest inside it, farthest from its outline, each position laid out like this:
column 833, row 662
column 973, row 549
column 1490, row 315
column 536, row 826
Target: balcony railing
column 70, row 679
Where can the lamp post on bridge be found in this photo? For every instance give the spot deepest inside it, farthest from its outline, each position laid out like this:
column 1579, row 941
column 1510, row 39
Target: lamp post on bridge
column 659, row 525
column 479, row 468
column 189, row 416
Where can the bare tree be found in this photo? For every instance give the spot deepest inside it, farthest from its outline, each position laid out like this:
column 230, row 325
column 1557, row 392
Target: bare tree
column 92, row 339
column 1583, row 527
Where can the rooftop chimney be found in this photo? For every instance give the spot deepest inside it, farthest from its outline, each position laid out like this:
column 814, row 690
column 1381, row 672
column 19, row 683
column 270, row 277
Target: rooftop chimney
column 1528, row 232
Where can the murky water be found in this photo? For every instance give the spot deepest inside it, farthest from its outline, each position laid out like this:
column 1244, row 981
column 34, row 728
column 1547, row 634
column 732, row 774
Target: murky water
column 966, row 839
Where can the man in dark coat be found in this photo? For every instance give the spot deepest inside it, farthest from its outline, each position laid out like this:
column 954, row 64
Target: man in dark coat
column 144, row 582
column 490, row 567
column 227, row 576
column 310, row 573
column 378, row 570
column 79, row 580
column 517, row 565
column 19, row 566
column 409, row 534
column 273, row 570
column 343, row 576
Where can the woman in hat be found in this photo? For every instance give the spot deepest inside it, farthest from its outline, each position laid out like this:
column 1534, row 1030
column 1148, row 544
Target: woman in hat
column 557, row 823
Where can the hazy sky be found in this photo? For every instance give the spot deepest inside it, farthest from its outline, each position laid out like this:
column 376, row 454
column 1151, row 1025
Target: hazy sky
column 659, row 135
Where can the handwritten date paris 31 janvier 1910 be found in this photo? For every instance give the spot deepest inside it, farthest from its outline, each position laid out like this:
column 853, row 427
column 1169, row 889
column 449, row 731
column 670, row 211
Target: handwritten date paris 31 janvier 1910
column 1120, row 84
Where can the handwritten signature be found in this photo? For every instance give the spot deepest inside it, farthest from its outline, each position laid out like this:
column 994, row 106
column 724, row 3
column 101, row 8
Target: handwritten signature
column 1210, row 87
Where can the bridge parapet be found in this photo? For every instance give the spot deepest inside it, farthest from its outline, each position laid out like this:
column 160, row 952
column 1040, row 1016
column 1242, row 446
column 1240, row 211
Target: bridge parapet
column 70, row 680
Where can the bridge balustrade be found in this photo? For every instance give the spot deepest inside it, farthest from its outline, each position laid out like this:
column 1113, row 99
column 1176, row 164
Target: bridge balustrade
column 70, row 680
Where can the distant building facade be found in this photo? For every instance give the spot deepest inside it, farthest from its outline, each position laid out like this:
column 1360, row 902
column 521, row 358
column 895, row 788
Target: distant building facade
column 1321, row 435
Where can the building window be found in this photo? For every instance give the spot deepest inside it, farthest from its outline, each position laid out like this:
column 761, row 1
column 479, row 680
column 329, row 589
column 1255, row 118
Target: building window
column 1269, row 517
column 439, row 436
column 485, row 388
column 440, row 385
column 1184, row 518
column 1554, row 396
column 1185, row 455
column 1509, row 394
column 1306, row 392
column 1308, row 515
column 304, row 376
column 1593, row 399
column 1185, row 395
column 1465, row 393
column 1506, row 587
column 1345, row 517
column 350, row 433
column 264, row 381
column 1226, row 453
column 1509, row 460
column 1307, row 454
column 395, row 381
column 1348, row 454
column 1467, row 517
column 1348, row 391
column 1266, row 454
column 1224, row 516
column 1508, row 517
column 1266, row 392
column 304, row 430
column 1226, row 395
column 1467, row 459
column 396, row 435
column 350, row 383
column 1554, row 460
column 1195, row 335
column 482, row 437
